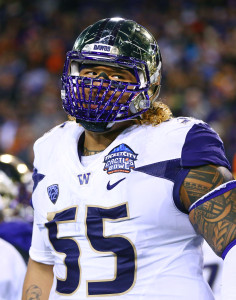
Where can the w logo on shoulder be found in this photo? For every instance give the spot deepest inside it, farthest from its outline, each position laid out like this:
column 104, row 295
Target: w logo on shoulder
column 53, row 192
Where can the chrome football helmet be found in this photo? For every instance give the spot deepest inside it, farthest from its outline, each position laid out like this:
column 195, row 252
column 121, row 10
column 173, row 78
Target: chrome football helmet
column 15, row 189
column 97, row 103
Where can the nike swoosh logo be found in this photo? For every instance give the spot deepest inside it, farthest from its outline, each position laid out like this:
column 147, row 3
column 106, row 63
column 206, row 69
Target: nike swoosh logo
column 111, row 186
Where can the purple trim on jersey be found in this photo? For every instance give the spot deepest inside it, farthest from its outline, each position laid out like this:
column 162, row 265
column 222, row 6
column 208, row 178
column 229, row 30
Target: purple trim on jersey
column 167, row 169
column 178, row 182
column 37, row 177
column 63, row 125
column 170, row 170
column 230, row 246
column 203, row 146
column 224, row 188
column 81, row 145
column 31, row 203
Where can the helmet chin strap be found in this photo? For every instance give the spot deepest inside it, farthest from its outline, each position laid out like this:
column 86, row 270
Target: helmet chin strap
column 96, row 126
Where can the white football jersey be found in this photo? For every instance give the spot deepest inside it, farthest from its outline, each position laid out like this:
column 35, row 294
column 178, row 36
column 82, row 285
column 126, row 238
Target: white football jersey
column 12, row 272
column 114, row 228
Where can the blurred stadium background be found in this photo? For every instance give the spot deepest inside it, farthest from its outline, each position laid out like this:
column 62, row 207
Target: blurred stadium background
column 198, row 44
column 197, row 39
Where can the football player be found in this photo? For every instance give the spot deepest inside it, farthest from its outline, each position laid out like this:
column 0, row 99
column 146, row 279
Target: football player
column 15, row 210
column 124, row 194
column 16, row 187
column 12, row 265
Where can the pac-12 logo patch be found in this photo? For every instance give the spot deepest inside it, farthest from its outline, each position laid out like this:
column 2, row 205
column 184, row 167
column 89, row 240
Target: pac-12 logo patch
column 120, row 159
column 53, row 192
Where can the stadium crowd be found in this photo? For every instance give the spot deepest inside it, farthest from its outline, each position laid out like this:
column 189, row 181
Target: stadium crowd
column 197, row 40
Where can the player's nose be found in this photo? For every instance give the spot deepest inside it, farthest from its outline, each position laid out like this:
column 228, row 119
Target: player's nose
column 102, row 75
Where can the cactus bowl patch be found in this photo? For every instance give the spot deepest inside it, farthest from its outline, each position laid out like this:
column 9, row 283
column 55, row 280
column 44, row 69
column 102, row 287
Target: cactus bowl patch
column 120, row 159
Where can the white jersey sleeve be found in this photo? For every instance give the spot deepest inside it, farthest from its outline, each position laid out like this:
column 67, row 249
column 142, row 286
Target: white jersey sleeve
column 38, row 250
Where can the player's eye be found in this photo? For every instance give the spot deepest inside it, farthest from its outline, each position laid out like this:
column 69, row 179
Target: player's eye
column 117, row 77
column 89, row 73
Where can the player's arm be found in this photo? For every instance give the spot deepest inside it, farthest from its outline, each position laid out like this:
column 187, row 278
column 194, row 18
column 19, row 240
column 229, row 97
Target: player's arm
column 38, row 281
column 209, row 194
column 39, row 275
column 214, row 218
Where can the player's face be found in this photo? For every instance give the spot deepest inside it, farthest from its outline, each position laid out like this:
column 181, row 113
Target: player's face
column 113, row 73
column 105, row 72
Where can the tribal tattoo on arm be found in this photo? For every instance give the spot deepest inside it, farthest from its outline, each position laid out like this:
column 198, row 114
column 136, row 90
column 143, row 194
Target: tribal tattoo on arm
column 33, row 293
column 215, row 219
